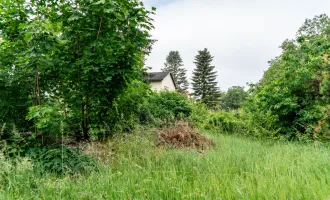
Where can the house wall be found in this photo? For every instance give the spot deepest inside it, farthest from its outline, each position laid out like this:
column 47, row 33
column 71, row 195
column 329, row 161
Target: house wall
column 166, row 84
column 156, row 86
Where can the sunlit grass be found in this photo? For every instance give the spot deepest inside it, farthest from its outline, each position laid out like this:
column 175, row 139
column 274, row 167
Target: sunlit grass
column 236, row 168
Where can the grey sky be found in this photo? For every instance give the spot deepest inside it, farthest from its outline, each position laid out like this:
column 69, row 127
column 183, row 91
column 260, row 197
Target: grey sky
column 242, row 35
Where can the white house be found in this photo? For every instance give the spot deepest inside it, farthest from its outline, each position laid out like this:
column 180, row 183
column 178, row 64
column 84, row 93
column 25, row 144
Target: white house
column 161, row 81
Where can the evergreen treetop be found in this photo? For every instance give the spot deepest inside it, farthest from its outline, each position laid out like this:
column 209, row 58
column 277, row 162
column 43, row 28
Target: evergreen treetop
column 204, row 79
column 174, row 65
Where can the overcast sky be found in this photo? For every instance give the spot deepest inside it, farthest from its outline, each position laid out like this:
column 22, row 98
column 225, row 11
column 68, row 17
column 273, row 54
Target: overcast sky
column 242, row 35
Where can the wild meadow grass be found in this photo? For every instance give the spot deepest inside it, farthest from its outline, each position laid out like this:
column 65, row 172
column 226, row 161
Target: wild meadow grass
column 236, row 168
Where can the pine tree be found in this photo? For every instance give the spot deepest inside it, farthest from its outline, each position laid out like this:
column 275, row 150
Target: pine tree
column 174, row 65
column 203, row 81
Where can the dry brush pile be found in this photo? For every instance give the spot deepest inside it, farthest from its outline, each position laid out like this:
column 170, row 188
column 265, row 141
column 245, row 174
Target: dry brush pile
column 183, row 135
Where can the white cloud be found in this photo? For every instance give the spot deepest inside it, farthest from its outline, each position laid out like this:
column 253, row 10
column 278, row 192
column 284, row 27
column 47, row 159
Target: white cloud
column 242, row 35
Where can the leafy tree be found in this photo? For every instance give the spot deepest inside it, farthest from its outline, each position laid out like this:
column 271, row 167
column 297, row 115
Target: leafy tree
column 316, row 26
column 80, row 53
column 203, row 80
column 295, row 88
column 174, row 64
column 233, row 98
column 109, row 39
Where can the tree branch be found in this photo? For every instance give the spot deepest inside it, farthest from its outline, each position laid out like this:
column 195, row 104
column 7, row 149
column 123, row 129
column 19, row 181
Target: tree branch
column 99, row 31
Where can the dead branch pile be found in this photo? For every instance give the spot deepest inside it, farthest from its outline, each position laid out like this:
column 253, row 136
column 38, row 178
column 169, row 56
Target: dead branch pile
column 182, row 135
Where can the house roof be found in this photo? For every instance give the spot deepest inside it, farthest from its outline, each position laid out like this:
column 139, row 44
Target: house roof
column 159, row 76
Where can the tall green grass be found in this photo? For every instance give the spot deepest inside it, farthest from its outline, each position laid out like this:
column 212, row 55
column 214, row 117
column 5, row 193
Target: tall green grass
column 236, row 168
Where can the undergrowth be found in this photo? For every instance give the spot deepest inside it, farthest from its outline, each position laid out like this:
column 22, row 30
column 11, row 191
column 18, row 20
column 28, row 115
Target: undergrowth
column 236, row 168
column 61, row 160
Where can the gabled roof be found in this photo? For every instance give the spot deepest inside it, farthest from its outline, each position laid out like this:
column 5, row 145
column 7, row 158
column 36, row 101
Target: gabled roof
column 159, row 76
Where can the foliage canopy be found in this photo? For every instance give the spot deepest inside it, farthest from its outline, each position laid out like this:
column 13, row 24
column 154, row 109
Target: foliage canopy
column 77, row 54
column 295, row 89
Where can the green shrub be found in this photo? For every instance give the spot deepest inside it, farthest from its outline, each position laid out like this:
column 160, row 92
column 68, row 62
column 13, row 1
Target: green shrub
column 61, row 160
column 167, row 105
column 200, row 113
column 11, row 142
column 144, row 114
column 50, row 120
column 139, row 105
column 127, row 107
column 222, row 121
column 243, row 122
column 258, row 124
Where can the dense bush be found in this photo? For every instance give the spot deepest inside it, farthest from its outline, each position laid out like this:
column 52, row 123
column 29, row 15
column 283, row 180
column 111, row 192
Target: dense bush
column 294, row 91
column 61, row 160
column 127, row 107
column 240, row 122
column 200, row 113
column 138, row 105
column 169, row 105
column 257, row 124
column 224, row 122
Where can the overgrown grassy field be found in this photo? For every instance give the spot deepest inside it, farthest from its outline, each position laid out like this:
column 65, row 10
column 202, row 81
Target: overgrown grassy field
column 236, row 168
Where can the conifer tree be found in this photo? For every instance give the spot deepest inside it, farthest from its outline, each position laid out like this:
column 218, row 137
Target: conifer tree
column 204, row 79
column 174, row 65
